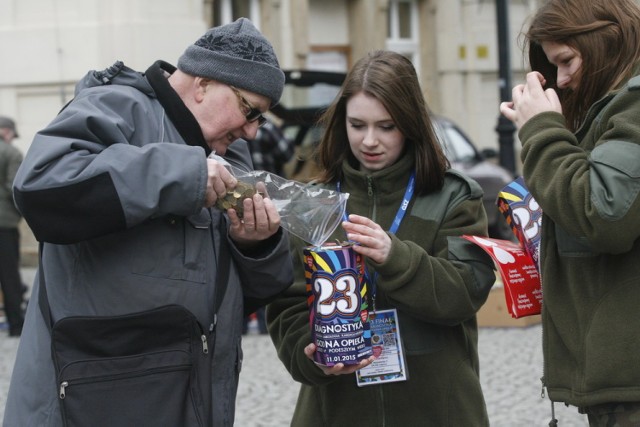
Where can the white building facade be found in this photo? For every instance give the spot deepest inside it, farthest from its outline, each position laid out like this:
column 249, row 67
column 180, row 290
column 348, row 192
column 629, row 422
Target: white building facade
column 47, row 45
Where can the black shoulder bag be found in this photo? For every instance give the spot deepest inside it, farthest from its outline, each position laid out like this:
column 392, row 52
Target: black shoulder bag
column 150, row 368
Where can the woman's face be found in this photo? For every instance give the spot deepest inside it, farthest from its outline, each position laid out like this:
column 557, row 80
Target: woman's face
column 568, row 61
column 373, row 136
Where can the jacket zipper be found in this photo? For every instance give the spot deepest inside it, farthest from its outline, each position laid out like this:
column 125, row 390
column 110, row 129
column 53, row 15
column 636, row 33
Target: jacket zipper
column 203, row 337
column 383, row 415
column 554, row 421
column 67, row 383
column 372, row 195
column 374, row 199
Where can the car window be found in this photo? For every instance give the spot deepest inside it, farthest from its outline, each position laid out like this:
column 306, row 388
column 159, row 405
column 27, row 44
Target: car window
column 456, row 147
column 310, row 138
column 320, row 95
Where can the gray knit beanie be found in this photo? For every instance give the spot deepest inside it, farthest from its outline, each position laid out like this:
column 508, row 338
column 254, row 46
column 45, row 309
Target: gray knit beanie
column 6, row 122
column 236, row 54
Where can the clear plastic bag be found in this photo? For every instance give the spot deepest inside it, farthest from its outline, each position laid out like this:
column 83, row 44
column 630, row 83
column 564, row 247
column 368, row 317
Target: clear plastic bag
column 309, row 212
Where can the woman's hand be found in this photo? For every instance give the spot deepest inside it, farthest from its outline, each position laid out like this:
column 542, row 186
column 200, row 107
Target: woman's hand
column 530, row 99
column 373, row 241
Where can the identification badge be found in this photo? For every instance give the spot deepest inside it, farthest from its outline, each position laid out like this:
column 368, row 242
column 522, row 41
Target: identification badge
column 390, row 364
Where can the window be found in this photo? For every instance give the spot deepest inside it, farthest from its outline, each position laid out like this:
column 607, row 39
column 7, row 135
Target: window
column 227, row 11
column 403, row 29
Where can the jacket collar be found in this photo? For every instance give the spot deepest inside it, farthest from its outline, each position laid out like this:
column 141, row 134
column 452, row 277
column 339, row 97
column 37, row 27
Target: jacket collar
column 385, row 181
column 178, row 113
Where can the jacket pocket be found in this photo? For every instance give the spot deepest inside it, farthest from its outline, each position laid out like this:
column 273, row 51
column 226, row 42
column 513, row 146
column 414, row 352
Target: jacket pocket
column 572, row 247
column 173, row 247
column 420, row 337
column 612, row 349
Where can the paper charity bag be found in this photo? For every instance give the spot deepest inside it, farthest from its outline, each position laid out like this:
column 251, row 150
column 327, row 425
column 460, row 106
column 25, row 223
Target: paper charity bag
column 518, row 264
column 522, row 292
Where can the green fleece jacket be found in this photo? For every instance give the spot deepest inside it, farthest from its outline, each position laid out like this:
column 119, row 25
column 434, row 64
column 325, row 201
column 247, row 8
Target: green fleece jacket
column 436, row 280
column 587, row 185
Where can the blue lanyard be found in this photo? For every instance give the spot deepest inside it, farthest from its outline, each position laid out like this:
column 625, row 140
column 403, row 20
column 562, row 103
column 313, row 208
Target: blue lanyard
column 402, row 210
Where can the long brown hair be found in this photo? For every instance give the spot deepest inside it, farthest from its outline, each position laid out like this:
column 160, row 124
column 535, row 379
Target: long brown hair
column 606, row 33
column 391, row 79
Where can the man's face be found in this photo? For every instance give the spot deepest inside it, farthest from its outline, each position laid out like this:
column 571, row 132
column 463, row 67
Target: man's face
column 7, row 135
column 221, row 112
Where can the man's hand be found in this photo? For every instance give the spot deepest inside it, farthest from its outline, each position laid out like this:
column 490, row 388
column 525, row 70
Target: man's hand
column 259, row 222
column 219, row 181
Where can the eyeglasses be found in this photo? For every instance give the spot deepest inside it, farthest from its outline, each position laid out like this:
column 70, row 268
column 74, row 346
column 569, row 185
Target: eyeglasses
column 253, row 113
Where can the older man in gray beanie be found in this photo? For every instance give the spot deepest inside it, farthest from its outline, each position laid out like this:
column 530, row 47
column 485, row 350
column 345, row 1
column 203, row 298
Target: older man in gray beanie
column 120, row 190
column 238, row 55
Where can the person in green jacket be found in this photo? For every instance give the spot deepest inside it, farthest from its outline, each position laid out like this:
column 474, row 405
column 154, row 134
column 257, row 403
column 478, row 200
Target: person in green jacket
column 578, row 119
column 407, row 211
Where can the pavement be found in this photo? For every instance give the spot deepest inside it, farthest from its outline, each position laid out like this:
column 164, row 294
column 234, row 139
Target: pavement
column 510, row 364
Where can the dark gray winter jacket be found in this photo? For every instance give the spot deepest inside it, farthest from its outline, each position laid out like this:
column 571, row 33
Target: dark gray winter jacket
column 115, row 186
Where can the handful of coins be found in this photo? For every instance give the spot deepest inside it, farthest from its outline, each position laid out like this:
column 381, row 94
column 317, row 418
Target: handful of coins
column 233, row 199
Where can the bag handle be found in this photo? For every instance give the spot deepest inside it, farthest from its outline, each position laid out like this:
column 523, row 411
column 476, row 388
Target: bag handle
column 222, row 278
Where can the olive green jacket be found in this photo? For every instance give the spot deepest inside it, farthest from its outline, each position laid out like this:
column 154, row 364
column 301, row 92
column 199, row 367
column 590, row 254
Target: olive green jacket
column 436, row 280
column 587, row 185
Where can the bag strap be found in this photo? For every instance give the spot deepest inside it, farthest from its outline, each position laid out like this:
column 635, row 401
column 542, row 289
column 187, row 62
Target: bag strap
column 222, row 279
column 43, row 300
column 223, row 267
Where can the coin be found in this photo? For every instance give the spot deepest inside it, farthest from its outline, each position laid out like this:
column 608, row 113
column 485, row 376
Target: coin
column 233, row 199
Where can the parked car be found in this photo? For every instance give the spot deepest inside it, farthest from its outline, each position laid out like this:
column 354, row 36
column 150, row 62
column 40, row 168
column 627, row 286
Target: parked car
column 307, row 94
column 479, row 165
